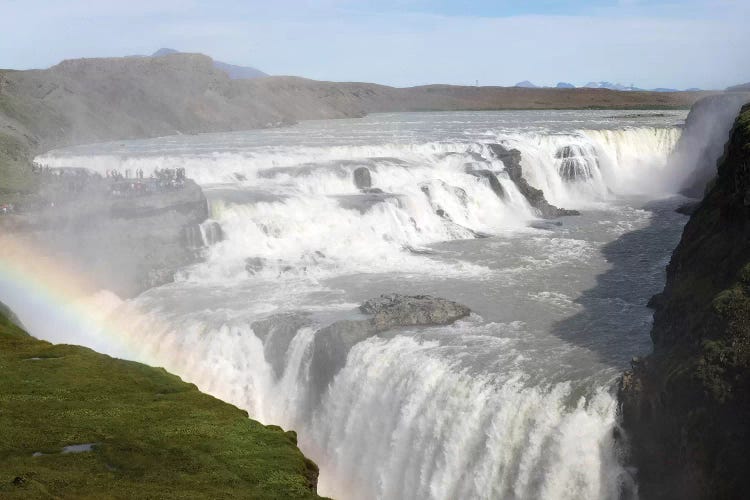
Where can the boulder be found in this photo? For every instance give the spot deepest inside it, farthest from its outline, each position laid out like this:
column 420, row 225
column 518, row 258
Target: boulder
column 394, row 310
column 362, row 178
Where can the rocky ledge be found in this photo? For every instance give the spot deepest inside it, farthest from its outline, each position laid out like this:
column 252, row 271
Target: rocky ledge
column 332, row 343
column 686, row 407
column 511, row 158
column 126, row 241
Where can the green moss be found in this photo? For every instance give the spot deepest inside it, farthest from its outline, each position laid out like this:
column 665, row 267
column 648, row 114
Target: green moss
column 155, row 436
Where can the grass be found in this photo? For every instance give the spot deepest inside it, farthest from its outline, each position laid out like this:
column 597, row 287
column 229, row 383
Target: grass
column 156, row 436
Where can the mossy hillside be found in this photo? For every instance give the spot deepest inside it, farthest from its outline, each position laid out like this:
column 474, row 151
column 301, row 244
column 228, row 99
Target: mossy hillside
column 155, row 436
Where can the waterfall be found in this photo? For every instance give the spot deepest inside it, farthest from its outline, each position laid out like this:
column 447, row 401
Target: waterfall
column 481, row 409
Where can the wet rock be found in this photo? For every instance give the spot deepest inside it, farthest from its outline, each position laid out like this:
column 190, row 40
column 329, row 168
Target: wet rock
column 394, row 310
column 511, row 158
column 574, row 165
column 688, row 208
column 491, row 179
column 362, row 178
column 276, row 332
column 254, row 265
column 365, row 201
column 332, row 343
column 428, row 189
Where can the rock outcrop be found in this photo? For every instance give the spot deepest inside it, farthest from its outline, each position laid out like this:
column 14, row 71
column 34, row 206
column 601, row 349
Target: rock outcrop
column 511, row 158
column 686, row 407
column 362, row 178
column 332, row 343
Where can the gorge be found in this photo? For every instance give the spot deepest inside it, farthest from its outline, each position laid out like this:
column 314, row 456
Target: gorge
column 547, row 233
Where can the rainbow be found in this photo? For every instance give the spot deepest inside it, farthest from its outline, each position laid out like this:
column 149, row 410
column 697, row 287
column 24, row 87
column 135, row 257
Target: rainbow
column 59, row 305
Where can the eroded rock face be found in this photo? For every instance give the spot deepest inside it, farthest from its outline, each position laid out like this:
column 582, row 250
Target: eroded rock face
column 332, row 343
column 362, row 178
column 511, row 158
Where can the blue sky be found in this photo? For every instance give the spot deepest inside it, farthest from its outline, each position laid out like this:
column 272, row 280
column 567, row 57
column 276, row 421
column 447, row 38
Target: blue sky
column 662, row 43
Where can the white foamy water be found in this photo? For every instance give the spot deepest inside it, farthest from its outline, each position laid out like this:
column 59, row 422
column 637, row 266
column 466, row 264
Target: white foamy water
column 515, row 401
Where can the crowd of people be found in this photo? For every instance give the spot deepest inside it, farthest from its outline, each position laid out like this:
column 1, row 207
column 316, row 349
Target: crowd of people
column 160, row 180
column 126, row 183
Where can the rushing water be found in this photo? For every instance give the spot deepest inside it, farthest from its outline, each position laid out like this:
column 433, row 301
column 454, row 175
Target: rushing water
column 515, row 401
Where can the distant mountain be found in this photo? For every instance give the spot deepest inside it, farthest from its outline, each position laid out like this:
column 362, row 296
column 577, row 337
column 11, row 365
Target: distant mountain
column 693, row 89
column 234, row 72
column 565, row 85
column 164, row 52
column 744, row 87
column 610, row 86
column 662, row 89
column 526, row 85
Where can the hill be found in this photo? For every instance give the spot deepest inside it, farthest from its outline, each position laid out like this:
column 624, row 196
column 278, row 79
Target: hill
column 744, row 87
column 233, row 71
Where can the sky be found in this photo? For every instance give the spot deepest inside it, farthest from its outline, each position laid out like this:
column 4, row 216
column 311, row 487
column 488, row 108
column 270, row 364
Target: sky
column 657, row 43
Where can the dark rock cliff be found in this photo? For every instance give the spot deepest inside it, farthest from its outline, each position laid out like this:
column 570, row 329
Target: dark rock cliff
column 686, row 407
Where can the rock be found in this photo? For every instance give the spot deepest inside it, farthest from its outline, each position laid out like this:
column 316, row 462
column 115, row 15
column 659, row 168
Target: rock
column 276, row 332
column 491, row 179
column 254, row 265
column 511, row 158
column 687, row 208
column 574, row 165
column 364, row 201
column 428, row 187
column 362, row 178
column 394, row 310
column 332, row 343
